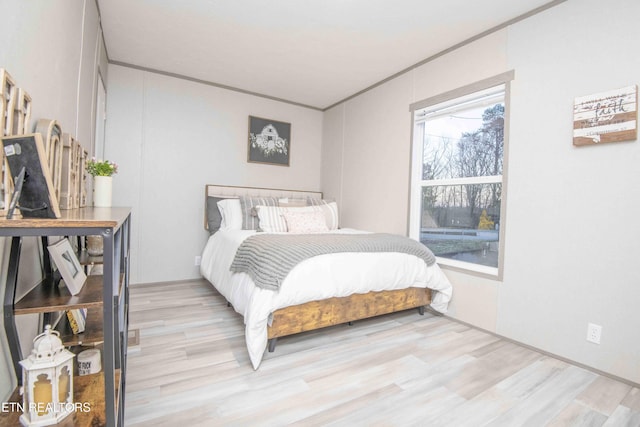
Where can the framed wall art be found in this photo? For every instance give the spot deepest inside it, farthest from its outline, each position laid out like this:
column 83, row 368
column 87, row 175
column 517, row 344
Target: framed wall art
column 606, row 117
column 269, row 141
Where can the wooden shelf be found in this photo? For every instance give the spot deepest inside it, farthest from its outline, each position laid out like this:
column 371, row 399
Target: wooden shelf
column 46, row 297
column 72, row 218
column 87, row 389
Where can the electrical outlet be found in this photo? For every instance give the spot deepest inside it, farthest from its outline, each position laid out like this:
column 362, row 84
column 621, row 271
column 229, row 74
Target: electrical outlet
column 198, row 260
column 594, row 333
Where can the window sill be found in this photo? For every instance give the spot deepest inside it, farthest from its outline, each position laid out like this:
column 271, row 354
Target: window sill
column 493, row 273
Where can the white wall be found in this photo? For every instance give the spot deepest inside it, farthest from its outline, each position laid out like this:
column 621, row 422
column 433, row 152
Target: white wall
column 577, row 205
column 376, row 158
column 51, row 49
column 172, row 136
column 571, row 225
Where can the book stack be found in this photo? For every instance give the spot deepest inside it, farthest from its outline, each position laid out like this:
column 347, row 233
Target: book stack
column 77, row 319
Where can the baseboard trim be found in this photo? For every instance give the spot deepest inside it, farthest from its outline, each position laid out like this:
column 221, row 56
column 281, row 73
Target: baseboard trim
column 544, row 352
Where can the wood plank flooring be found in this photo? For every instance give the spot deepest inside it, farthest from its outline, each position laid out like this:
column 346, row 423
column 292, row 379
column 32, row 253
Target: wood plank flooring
column 403, row 369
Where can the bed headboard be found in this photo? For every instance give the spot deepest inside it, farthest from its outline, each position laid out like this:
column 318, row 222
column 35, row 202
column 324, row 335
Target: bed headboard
column 234, row 191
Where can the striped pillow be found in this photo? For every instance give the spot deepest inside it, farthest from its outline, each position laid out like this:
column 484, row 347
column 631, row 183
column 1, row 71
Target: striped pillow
column 249, row 213
column 330, row 210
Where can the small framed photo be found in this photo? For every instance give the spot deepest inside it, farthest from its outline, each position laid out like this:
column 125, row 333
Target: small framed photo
column 67, row 262
column 269, row 141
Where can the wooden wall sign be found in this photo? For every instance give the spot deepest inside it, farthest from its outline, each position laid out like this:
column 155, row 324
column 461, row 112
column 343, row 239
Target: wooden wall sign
column 610, row 116
column 52, row 137
column 22, row 113
column 8, row 95
column 69, row 197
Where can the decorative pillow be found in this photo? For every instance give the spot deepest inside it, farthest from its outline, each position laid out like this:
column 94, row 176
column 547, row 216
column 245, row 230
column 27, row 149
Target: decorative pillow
column 330, row 210
column 305, row 222
column 271, row 220
column 231, row 214
column 249, row 214
column 214, row 216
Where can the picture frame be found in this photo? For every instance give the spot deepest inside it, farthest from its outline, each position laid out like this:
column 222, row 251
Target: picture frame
column 269, row 141
column 34, row 197
column 64, row 257
column 603, row 117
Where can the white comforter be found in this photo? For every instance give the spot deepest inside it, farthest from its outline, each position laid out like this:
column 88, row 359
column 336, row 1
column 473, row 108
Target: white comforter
column 334, row 275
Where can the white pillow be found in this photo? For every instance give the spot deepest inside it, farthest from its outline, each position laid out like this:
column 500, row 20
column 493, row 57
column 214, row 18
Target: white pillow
column 305, row 222
column 330, row 211
column 231, row 214
column 270, row 219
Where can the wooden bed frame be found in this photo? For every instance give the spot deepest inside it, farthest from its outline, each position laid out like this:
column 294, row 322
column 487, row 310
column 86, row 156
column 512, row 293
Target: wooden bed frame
column 332, row 311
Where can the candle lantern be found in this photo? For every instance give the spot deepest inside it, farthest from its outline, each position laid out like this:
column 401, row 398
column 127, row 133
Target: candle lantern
column 47, row 381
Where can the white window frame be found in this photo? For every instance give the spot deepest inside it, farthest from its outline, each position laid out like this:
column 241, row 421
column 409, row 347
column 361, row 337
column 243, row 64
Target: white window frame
column 441, row 103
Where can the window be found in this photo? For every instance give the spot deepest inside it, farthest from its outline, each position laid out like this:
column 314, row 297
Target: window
column 457, row 207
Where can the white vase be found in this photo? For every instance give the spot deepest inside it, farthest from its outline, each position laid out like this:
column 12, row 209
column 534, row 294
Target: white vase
column 102, row 186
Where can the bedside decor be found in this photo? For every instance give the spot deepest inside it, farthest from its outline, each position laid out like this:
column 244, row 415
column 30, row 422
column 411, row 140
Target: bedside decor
column 269, row 141
column 47, row 378
column 606, row 117
column 102, row 172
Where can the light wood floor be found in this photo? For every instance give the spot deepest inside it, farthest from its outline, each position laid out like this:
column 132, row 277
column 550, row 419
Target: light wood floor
column 192, row 369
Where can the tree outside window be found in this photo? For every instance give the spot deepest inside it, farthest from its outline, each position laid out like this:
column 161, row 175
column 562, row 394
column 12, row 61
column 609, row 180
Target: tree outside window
column 459, row 150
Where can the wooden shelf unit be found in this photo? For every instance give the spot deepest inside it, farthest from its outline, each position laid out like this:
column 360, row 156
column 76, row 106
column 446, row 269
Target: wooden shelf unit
column 105, row 296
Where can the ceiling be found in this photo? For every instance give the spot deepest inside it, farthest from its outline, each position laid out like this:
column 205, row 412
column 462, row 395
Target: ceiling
column 310, row 52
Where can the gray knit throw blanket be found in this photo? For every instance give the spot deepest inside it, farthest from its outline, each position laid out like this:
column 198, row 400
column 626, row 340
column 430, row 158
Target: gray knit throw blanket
column 268, row 258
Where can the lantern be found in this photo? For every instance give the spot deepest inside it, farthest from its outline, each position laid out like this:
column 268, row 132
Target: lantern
column 47, row 381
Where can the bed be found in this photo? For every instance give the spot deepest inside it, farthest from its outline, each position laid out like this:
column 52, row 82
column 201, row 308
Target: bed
column 318, row 291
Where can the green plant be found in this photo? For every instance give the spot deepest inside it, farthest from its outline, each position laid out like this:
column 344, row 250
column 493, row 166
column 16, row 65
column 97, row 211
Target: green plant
column 101, row 167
